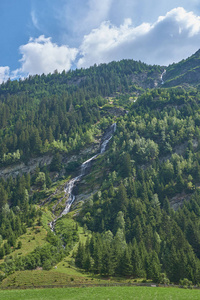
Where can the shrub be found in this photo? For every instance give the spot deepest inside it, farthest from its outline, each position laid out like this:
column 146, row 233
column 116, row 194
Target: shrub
column 164, row 279
column 186, row 283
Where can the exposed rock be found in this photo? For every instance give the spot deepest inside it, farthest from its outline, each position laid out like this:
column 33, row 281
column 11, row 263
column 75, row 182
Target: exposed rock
column 178, row 200
column 146, row 80
column 22, row 168
column 92, row 149
column 83, row 197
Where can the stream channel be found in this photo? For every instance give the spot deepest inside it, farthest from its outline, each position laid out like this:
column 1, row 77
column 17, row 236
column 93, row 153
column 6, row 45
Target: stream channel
column 161, row 77
column 85, row 165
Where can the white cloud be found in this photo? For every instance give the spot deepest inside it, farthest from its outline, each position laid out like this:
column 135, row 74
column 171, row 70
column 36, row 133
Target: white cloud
column 4, row 73
column 40, row 55
column 172, row 37
column 34, row 19
column 186, row 21
column 78, row 17
column 169, row 39
column 97, row 12
column 97, row 47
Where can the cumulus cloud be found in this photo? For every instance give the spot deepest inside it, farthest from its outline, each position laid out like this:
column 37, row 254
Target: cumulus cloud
column 40, row 55
column 168, row 40
column 4, row 73
column 77, row 17
column 172, row 37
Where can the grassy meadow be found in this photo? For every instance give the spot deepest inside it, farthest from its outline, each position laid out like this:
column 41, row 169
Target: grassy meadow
column 102, row 293
column 33, row 238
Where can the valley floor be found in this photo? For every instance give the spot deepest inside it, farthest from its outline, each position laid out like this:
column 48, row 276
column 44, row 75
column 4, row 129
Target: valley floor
column 101, row 293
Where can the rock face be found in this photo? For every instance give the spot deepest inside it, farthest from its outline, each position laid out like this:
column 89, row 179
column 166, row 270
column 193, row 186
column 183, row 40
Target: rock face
column 146, row 80
column 22, row 168
column 178, row 200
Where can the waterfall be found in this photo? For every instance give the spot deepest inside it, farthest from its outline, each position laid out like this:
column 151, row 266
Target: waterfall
column 85, row 165
column 161, row 77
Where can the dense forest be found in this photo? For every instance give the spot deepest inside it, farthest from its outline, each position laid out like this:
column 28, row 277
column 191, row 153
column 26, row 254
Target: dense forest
column 43, row 113
column 142, row 215
column 153, row 158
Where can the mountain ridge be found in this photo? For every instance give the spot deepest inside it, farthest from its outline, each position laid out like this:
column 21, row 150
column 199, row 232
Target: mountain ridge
column 124, row 218
column 184, row 72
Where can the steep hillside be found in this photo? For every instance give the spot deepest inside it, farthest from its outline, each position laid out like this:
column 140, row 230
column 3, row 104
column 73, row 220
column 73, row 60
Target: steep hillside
column 42, row 114
column 186, row 72
column 137, row 200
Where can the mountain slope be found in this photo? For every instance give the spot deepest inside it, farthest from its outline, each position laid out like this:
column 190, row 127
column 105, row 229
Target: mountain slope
column 186, row 72
column 125, row 200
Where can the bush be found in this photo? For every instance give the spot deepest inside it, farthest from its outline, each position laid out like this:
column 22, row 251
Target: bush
column 185, row 283
column 164, row 279
column 19, row 245
column 72, row 166
column 47, row 265
column 2, row 276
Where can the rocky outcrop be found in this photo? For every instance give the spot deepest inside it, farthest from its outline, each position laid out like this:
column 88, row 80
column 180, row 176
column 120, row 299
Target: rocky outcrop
column 22, row 168
column 178, row 200
column 146, row 80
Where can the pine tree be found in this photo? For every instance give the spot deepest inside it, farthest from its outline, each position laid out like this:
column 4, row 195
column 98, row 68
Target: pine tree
column 138, row 232
column 136, row 259
column 153, row 267
column 122, row 200
column 193, row 237
column 126, row 165
column 107, row 262
column 2, row 252
column 126, row 265
column 56, row 163
column 166, row 205
column 87, row 264
column 3, row 197
column 79, row 256
column 98, row 256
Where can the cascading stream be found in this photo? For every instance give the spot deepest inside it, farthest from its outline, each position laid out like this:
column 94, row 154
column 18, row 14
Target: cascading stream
column 85, row 165
column 161, row 77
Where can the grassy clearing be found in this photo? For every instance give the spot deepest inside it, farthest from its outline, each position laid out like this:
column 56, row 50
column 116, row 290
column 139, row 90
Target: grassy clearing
column 65, row 223
column 47, row 217
column 64, row 273
column 34, row 237
column 102, row 293
column 59, row 200
column 44, row 278
column 67, row 265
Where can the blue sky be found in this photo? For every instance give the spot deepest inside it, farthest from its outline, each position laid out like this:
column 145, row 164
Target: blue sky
column 40, row 36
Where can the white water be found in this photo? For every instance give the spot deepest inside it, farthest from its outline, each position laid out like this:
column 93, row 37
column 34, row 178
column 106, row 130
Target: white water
column 161, row 77
column 86, row 164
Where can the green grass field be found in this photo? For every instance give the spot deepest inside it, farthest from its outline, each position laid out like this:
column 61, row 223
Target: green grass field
column 102, row 293
column 34, row 237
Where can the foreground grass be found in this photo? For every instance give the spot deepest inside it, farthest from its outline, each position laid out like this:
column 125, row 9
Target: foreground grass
column 64, row 273
column 102, row 293
column 41, row 278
